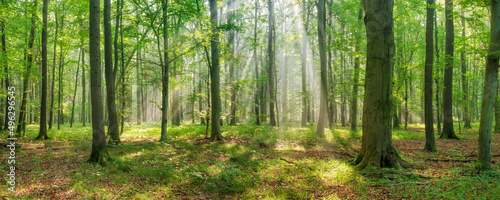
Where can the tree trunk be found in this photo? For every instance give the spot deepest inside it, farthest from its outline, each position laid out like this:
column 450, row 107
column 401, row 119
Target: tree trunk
column 377, row 148
column 52, row 91
column 465, row 86
column 165, row 76
column 438, row 110
column 303, row 67
column 139, row 85
column 497, row 110
column 84, row 87
column 490, row 90
column 256, row 98
column 354, row 101
column 214, row 74
column 99, row 151
column 110, row 71
column 320, row 129
column 42, row 134
column 23, row 110
column 272, row 67
column 448, row 131
column 74, row 95
column 60, row 115
column 430, row 144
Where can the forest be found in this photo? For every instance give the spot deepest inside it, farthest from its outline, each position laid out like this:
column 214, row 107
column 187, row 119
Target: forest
column 249, row 99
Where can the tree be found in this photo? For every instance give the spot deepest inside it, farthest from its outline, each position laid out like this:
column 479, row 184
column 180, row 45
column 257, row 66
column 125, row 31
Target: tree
column 354, row 102
column 84, row 86
column 256, row 98
column 110, row 71
column 6, row 65
column 42, row 134
column 214, row 73
column 465, row 86
column 430, row 144
column 320, row 130
column 164, row 76
column 74, row 95
column 230, row 38
column 448, row 131
column 53, row 91
column 377, row 148
column 305, row 21
column 272, row 67
column 99, row 152
column 490, row 89
column 27, row 76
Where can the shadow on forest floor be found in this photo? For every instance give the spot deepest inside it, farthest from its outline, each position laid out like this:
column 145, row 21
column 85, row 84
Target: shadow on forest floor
column 252, row 162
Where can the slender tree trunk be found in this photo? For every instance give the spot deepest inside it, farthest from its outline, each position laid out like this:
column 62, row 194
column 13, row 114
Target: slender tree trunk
column 490, row 90
column 497, row 110
column 272, row 67
column 26, row 84
column 256, row 95
column 42, row 134
column 303, row 67
column 214, row 74
column 165, row 76
column 52, row 91
column 74, row 95
column 430, row 144
column 465, row 86
column 110, row 70
column 99, row 151
column 354, row 101
column 84, row 86
column 138, row 85
column 448, row 131
column 377, row 148
column 60, row 115
column 438, row 107
column 123, row 67
column 5, row 62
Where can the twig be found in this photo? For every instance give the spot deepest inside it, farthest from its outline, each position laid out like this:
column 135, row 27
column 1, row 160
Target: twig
column 416, row 183
column 291, row 162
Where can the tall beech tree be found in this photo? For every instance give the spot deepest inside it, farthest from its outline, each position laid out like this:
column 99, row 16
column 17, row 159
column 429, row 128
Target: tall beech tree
column 430, row 144
column 377, row 148
column 271, row 65
column 110, row 71
column 489, row 89
column 99, row 152
column 214, row 73
column 448, row 131
column 320, row 129
column 42, row 134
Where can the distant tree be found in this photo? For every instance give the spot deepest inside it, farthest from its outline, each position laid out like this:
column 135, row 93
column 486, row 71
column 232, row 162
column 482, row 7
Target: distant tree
column 490, row 89
column 377, row 148
column 354, row 101
column 430, row 144
column 42, row 134
column 271, row 65
column 257, row 91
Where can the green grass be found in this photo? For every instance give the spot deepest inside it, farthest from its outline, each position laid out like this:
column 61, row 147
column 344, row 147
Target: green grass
column 254, row 162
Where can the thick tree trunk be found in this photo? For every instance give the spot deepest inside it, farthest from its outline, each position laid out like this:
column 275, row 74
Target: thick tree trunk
column 448, row 131
column 490, row 90
column 377, row 148
column 438, row 110
column 110, row 71
column 320, row 129
column 214, row 74
column 99, row 151
column 42, row 134
column 430, row 144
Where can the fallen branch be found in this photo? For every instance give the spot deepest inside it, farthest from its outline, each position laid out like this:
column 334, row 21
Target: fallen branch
column 416, row 183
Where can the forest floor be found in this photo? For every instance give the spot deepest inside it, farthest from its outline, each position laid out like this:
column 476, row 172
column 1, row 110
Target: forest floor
column 251, row 163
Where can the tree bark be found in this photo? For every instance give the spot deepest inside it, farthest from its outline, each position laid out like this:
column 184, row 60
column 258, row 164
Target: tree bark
column 214, row 74
column 84, row 87
column 448, row 131
column 110, row 71
column 320, row 129
column 490, row 90
column 354, row 101
column 465, row 86
column 23, row 110
column 99, row 152
column 74, row 95
column 272, row 67
column 256, row 95
column 304, row 65
column 165, row 76
column 377, row 148
column 42, row 134
column 430, row 144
